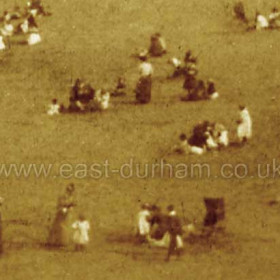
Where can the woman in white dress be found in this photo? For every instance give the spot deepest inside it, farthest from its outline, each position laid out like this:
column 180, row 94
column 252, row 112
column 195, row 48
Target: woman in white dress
column 244, row 129
column 143, row 223
column 80, row 237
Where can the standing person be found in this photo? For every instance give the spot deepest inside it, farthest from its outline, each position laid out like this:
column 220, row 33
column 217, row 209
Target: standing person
column 144, row 85
column 143, row 223
column 244, row 129
column 81, row 228
column 60, row 231
column 1, row 226
column 175, row 232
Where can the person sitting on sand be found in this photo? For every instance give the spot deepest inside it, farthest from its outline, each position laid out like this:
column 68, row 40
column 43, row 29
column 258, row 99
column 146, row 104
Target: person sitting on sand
column 185, row 148
column 211, row 92
column 274, row 18
column 198, row 137
column 190, row 83
column 120, row 88
column 179, row 69
column 158, row 45
column 261, row 22
column 34, row 37
column 54, row 108
column 220, row 135
column 210, row 142
column 101, row 100
column 190, row 59
column 36, row 7
column 8, row 29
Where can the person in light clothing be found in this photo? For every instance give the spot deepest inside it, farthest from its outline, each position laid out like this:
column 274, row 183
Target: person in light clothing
column 101, row 100
column 54, row 108
column 143, row 223
column 80, row 237
column 244, row 129
column 145, row 68
column 33, row 37
column 2, row 44
column 261, row 22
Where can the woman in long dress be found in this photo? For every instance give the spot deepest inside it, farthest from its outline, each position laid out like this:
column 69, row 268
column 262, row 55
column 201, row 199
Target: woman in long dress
column 61, row 229
column 244, row 129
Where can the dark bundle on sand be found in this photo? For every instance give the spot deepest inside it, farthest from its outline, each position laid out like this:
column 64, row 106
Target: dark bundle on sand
column 240, row 12
column 143, row 90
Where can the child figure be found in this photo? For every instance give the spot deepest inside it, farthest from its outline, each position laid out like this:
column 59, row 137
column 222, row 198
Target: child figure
column 54, row 108
column 80, row 236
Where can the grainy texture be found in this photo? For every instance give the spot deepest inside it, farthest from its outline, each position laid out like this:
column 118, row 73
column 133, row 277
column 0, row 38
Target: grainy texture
column 93, row 40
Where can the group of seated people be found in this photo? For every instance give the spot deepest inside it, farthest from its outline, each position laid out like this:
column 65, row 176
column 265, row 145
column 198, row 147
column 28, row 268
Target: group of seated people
column 17, row 21
column 206, row 136
column 84, row 98
column 154, row 226
column 261, row 22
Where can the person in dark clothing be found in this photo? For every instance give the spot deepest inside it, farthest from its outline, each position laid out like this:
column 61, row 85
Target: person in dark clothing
column 198, row 137
column 120, row 88
column 175, row 230
column 190, row 84
column 158, row 223
column 189, row 58
column 240, row 12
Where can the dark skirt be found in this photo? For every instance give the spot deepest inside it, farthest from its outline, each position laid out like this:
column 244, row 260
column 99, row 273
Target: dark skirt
column 143, row 89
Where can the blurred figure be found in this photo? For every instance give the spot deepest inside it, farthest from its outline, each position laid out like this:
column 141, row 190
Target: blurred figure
column 120, row 88
column 2, row 44
column 143, row 223
column 210, row 142
column 54, row 108
column 101, row 100
column 221, row 135
column 189, row 58
column 158, row 45
column 179, row 70
column 211, row 90
column 274, row 18
column 34, row 36
column 261, row 22
column 8, row 29
column 144, row 85
column 80, row 237
column 175, row 231
column 240, row 12
column 60, row 231
column 185, row 148
column 244, row 129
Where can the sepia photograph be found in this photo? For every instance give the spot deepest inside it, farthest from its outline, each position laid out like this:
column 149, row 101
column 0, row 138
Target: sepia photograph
column 139, row 140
